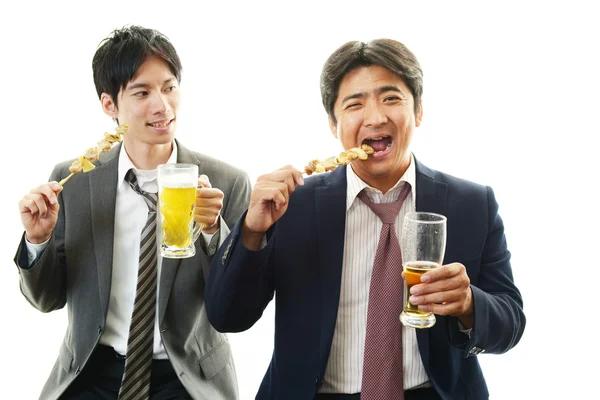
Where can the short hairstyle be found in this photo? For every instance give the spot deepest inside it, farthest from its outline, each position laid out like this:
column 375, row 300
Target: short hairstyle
column 123, row 52
column 386, row 53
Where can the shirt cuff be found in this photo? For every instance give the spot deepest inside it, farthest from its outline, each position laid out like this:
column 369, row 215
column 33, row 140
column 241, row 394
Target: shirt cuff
column 34, row 250
column 263, row 242
column 210, row 242
column 463, row 330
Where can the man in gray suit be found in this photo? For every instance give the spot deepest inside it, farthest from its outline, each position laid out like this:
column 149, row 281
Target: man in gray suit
column 82, row 248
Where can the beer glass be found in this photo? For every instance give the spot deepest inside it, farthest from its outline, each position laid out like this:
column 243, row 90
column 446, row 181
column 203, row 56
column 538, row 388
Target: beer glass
column 423, row 245
column 177, row 199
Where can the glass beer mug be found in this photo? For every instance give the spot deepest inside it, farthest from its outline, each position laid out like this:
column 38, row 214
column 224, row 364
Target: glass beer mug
column 423, row 247
column 177, row 184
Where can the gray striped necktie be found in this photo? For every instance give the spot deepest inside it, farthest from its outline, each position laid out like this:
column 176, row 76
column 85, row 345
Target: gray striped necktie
column 136, row 378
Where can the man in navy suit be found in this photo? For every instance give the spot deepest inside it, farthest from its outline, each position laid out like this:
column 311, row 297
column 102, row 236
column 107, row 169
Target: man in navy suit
column 312, row 245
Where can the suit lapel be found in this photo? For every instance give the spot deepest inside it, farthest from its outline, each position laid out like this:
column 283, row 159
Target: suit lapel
column 103, row 193
column 330, row 203
column 170, row 266
column 431, row 197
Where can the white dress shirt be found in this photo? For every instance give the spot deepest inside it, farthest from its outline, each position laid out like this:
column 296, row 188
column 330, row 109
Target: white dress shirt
column 363, row 228
column 131, row 213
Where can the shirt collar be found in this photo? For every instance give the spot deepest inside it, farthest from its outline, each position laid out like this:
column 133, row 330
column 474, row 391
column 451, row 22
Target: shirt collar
column 356, row 185
column 143, row 176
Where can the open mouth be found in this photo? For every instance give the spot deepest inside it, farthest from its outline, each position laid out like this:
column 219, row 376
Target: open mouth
column 380, row 144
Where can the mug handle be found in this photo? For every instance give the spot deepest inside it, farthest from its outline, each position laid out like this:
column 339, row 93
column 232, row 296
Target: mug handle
column 197, row 229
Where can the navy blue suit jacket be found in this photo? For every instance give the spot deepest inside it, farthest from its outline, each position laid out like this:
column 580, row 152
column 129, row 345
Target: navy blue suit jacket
column 302, row 266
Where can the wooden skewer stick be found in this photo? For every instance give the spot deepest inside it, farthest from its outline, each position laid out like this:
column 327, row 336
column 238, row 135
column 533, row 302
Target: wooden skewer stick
column 63, row 181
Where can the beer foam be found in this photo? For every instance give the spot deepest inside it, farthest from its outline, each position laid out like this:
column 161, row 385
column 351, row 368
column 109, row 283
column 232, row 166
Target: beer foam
column 178, row 181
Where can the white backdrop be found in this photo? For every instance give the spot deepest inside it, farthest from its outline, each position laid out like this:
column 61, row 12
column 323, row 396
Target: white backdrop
column 511, row 100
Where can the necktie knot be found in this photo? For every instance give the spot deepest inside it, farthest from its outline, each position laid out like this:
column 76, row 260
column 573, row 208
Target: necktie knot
column 386, row 212
column 150, row 198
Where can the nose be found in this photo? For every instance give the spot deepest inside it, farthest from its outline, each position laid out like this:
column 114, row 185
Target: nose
column 374, row 114
column 160, row 104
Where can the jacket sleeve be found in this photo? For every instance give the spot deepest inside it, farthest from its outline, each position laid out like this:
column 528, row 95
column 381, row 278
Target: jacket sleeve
column 44, row 282
column 235, row 202
column 240, row 285
column 499, row 320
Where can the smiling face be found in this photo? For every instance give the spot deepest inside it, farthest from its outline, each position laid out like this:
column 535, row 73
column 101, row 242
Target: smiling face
column 375, row 107
column 148, row 103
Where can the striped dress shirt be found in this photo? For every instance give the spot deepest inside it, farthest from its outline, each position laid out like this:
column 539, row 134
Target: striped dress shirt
column 363, row 228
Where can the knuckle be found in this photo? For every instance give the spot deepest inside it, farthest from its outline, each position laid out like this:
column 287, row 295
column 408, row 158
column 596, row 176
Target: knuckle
column 262, row 178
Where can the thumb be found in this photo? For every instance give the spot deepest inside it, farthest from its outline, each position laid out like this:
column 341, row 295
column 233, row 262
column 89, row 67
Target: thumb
column 204, row 181
column 56, row 187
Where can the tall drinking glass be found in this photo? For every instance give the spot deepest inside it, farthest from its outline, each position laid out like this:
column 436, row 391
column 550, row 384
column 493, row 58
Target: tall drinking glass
column 423, row 246
column 177, row 199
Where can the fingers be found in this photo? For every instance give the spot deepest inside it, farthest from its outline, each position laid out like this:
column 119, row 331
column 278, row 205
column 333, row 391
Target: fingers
column 287, row 175
column 206, row 216
column 40, row 199
column 294, row 172
column 437, row 298
column 209, row 203
column 270, row 197
column 444, row 272
column 277, row 192
column 458, row 304
column 443, row 279
column 446, row 292
column 204, row 181
column 208, row 193
column 28, row 205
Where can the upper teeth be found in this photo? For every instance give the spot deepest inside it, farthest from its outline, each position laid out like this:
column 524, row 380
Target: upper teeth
column 160, row 124
column 377, row 138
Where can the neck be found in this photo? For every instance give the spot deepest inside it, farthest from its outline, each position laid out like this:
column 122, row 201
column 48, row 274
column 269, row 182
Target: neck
column 382, row 183
column 148, row 156
column 385, row 180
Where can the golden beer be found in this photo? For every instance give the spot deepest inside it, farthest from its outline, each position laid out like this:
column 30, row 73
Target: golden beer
column 412, row 276
column 176, row 208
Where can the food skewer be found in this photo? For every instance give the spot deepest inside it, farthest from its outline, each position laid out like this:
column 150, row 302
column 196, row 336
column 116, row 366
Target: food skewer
column 85, row 161
column 344, row 158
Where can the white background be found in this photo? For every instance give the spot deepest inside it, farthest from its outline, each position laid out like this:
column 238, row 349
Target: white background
column 511, row 100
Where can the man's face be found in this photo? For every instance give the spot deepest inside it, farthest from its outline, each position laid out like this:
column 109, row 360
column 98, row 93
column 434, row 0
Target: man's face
column 375, row 107
column 148, row 104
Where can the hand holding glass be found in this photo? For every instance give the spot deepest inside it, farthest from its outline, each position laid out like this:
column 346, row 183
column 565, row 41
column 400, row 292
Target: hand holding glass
column 177, row 200
column 423, row 245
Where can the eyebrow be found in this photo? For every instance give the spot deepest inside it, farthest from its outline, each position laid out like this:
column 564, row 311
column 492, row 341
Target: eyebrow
column 380, row 90
column 146, row 85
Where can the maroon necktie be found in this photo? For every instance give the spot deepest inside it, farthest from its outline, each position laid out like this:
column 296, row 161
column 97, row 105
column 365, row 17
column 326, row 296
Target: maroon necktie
column 383, row 375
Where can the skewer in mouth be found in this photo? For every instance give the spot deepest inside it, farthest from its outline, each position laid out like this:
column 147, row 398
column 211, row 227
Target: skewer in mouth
column 344, row 158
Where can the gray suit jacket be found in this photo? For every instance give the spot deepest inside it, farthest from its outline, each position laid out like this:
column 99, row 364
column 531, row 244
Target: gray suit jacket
column 76, row 267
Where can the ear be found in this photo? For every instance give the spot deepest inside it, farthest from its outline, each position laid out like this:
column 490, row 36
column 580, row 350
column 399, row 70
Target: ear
column 333, row 128
column 419, row 113
column 108, row 105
